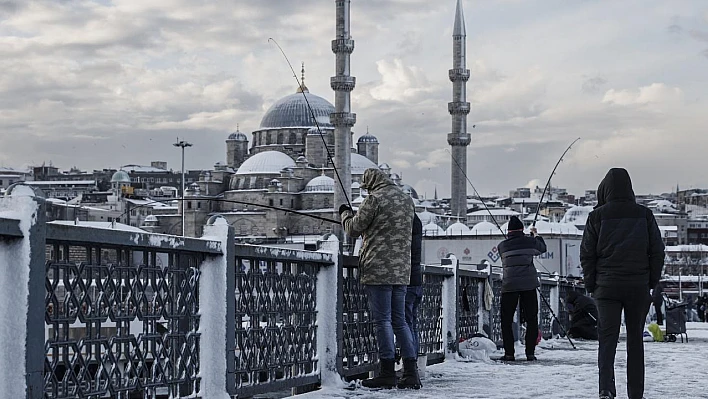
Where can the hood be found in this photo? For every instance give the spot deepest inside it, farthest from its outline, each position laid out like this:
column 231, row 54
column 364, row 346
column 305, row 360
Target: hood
column 571, row 296
column 374, row 179
column 616, row 186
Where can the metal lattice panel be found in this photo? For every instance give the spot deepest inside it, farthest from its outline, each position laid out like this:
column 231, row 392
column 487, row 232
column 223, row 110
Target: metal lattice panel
column 468, row 319
column 358, row 340
column 430, row 312
column 545, row 319
column 119, row 328
column 496, row 310
column 275, row 323
column 564, row 288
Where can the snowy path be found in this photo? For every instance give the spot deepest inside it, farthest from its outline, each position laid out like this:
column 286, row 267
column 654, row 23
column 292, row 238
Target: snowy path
column 674, row 370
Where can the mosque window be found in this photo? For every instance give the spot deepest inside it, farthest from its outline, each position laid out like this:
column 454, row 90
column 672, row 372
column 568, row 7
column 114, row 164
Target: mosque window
column 199, row 205
column 189, row 205
column 270, row 202
column 268, row 139
column 302, row 139
column 293, row 138
column 281, row 202
column 292, row 203
column 280, row 138
column 326, row 202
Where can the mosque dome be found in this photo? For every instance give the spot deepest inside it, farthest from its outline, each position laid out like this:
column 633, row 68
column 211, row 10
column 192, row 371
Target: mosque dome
column 267, row 162
column 237, row 136
column 432, row 229
column 292, row 111
column 360, row 163
column 485, row 228
column 120, row 176
column 320, row 184
column 457, row 228
column 427, row 217
column 368, row 138
column 410, row 191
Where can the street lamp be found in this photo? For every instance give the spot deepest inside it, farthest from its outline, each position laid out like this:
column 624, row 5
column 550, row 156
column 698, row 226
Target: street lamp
column 183, row 144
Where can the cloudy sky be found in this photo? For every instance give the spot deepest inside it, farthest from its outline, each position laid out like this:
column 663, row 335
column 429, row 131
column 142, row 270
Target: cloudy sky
column 103, row 83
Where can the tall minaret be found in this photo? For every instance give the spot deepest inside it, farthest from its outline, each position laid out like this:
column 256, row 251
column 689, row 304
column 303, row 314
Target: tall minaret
column 342, row 118
column 459, row 139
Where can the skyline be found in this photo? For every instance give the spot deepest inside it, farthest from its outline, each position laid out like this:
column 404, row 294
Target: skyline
column 103, row 84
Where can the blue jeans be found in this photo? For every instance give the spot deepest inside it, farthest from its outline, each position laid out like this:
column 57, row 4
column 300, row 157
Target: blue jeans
column 414, row 295
column 387, row 311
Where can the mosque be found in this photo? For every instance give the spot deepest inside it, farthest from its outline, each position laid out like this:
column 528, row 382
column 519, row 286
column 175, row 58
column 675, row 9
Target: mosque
column 285, row 165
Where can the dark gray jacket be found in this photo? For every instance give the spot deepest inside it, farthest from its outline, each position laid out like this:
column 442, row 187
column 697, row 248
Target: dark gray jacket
column 517, row 253
column 416, row 246
column 622, row 244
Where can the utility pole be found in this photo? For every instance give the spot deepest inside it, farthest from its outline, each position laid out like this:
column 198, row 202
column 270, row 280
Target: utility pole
column 183, row 144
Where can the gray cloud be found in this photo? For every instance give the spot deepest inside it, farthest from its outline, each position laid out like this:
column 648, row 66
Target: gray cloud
column 593, row 85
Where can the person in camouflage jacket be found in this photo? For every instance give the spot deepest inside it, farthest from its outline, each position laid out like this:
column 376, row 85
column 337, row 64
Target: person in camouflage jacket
column 385, row 221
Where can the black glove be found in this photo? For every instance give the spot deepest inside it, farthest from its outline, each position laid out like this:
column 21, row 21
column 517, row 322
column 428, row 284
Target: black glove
column 345, row 207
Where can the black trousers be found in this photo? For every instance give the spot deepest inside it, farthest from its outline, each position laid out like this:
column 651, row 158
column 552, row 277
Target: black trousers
column 635, row 302
column 529, row 306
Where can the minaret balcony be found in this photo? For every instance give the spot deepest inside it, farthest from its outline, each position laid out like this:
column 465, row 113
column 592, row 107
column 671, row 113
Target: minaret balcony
column 455, row 139
column 342, row 83
column 342, row 46
column 342, row 119
column 459, row 74
column 458, row 108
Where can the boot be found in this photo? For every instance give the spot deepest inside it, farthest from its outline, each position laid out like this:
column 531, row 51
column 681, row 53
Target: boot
column 410, row 379
column 386, row 378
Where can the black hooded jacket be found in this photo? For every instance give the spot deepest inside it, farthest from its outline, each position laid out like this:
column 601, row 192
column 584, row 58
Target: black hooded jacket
column 517, row 252
column 621, row 243
column 416, row 246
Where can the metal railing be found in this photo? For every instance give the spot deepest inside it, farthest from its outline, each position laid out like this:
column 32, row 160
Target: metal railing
column 129, row 314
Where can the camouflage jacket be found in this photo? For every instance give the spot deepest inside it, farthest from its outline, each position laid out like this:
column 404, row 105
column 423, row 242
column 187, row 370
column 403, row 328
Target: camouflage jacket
column 385, row 221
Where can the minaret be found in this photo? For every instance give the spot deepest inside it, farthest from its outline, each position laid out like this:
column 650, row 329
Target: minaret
column 459, row 139
column 342, row 118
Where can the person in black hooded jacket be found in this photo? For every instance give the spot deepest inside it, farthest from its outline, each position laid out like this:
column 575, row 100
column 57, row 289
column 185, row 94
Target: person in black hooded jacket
column 622, row 256
column 583, row 316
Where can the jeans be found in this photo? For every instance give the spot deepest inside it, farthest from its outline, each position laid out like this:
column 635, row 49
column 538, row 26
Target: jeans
column 529, row 306
column 610, row 302
column 387, row 310
column 414, row 295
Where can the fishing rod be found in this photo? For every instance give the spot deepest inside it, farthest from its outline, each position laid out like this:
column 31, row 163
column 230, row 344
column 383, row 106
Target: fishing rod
column 545, row 301
column 548, row 183
column 312, row 113
column 217, row 199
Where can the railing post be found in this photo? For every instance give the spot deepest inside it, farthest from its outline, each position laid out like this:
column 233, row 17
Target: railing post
column 23, row 271
column 449, row 302
column 217, row 314
column 329, row 314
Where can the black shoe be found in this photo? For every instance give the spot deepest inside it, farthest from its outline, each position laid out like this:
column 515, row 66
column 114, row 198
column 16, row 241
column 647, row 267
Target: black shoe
column 507, row 358
column 606, row 395
column 410, row 379
column 531, row 358
column 386, row 378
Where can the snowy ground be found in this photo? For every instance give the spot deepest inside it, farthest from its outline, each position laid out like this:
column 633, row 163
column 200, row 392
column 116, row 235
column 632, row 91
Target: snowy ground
column 674, row 370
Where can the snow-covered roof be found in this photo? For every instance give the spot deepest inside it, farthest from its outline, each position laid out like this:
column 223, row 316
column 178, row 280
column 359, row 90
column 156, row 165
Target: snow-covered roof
column 495, row 212
column 324, row 184
column 266, row 162
column 531, row 216
column 143, row 169
column 668, row 228
column 686, row 248
column 525, row 200
column 577, row 215
column 360, row 163
column 100, row 225
column 60, row 182
column 457, row 228
column 485, row 228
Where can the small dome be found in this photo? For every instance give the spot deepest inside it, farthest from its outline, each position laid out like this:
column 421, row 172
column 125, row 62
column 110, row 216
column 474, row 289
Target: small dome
column 485, row 228
column 360, row 163
column 427, row 217
column 301, row 159
column 275, row 182
column 120, row 176
column 320, row 184
column 237, row 136
column 293, row 111
column 150, row 218
column 384, row 167
column 267, row 162
column 368, row 138
column 432, row 229
column 457, row 228
column 409, row 190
